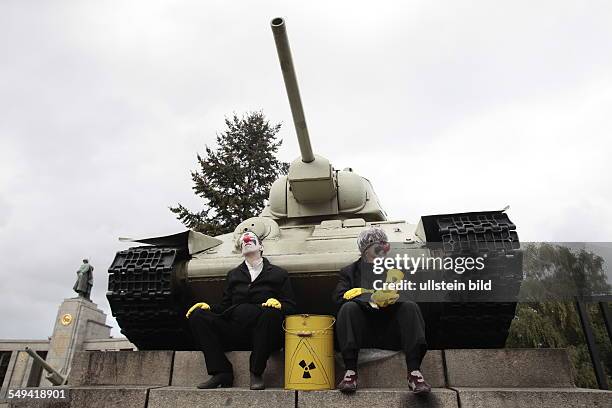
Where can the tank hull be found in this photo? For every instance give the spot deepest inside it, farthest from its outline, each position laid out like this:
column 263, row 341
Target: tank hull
column 151, row 287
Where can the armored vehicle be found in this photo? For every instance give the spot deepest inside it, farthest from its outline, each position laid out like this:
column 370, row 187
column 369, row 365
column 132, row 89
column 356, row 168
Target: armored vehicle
column 309, row 227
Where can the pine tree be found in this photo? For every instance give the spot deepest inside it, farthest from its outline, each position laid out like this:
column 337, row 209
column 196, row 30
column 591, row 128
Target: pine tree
column 234, row 179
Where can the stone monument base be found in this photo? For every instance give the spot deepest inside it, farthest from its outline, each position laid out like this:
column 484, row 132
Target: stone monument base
column 78, row 320
column 539, row 378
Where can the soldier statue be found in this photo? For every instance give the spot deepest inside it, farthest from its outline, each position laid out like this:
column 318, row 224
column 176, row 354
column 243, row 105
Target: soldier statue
column 84, row 280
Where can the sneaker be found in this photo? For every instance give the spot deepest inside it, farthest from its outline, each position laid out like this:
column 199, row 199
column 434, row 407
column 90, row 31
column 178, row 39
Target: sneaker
column 349, row 382
column 417, row 383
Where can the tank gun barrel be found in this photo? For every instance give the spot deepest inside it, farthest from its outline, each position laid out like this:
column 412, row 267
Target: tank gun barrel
column 293, row 92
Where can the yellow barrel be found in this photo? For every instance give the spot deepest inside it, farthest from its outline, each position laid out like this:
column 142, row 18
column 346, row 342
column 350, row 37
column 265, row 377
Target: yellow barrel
column 309, row 352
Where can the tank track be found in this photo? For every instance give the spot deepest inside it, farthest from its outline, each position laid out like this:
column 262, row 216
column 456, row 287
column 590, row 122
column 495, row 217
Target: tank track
column 145, row 294
column 470, row 322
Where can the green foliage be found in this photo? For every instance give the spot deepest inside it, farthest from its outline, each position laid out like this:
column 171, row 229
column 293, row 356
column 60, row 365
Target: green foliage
column 554, row 272
column 556, row 324
column 234, row 180
column 532, row 329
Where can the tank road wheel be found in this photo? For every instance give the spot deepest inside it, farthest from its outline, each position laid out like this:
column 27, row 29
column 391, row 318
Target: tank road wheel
column 147, row 297
column 470, row 321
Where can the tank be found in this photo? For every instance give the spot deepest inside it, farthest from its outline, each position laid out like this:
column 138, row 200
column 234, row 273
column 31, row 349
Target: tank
column 309, row 227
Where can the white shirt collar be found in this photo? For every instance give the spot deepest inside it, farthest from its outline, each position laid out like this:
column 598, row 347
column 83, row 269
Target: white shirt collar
column 255, row 269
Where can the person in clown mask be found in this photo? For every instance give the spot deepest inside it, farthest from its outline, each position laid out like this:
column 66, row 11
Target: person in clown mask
column 256, row 298
column 376, row 320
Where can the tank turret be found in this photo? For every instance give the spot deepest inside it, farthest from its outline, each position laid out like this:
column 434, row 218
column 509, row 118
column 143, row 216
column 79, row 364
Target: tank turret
column 312, row 188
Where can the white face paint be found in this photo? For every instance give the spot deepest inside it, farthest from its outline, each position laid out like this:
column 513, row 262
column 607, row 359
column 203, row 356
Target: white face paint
column 249, row 243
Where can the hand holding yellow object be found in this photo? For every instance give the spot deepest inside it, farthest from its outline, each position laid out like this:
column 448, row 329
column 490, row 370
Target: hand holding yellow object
column 353, row 293
column 200, row 305
column 394, row 276
column 384, row 298
column 272, row 303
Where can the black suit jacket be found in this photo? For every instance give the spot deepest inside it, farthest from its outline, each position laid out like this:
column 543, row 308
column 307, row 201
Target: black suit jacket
column 351, row 276
column 272, row 282
column 348, row 278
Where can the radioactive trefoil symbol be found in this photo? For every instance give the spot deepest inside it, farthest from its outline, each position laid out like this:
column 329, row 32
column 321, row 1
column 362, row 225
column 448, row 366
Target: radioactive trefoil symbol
column 307, row 368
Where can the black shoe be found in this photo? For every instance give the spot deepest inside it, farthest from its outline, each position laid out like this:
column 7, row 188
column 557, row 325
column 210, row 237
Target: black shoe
column 348, row 385
column 224, row 380
column 257, row 382
column 417, row 383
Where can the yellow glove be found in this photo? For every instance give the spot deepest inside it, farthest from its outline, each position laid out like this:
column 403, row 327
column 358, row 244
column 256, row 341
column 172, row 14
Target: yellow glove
column 384, row 298
column 394, row 276
column 353, row 293
column 272, row 303
column 201, row 305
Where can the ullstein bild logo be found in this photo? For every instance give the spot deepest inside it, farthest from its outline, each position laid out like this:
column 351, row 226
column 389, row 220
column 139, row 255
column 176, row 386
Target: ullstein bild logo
column 431, row 285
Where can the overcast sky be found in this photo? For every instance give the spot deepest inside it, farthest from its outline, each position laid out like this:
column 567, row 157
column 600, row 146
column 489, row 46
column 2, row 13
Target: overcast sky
column 444, row 106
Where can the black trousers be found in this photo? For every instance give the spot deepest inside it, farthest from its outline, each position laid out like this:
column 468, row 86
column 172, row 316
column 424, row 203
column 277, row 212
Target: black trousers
column 396, row 327
column 247, row 327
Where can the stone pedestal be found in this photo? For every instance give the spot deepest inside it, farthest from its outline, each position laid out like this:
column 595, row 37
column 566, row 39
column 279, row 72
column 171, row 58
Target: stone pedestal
column 78, row 320
column 534, row 378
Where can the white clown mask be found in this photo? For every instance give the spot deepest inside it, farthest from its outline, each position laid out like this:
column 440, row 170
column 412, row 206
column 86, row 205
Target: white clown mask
column 249, row 243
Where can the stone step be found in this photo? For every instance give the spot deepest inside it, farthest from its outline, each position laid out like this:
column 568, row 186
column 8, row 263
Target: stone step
column 377, row 398
column 533, row 398
column 190, row 397
column 504, row 368
column 507, row 368
column 121, row 368
column 190, row 370
column 391, row 372
column 103, row 396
